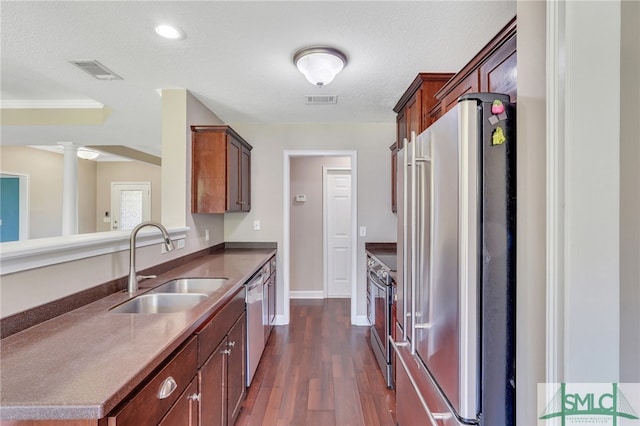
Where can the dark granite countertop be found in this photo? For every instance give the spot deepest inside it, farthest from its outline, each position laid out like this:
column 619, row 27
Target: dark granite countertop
column 80, row 365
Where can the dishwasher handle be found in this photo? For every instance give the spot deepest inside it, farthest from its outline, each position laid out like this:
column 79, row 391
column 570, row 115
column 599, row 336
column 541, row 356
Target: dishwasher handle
column 255, row 282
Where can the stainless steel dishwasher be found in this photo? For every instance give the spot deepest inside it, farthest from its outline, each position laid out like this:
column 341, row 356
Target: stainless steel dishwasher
column 255, row 328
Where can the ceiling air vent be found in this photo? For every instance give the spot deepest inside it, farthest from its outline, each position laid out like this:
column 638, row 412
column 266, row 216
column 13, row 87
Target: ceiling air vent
column 97, row 70
column 321, row 99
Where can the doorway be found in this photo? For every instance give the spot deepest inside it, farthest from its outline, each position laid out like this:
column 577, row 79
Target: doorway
column 130, row 204
column 336, row 224
column 14, row 207
column 288, row 199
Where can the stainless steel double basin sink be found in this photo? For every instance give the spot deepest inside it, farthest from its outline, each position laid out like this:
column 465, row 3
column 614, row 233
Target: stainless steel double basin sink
column 173, row 296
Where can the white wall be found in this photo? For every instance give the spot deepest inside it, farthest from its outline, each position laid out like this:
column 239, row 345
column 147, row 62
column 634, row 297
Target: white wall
column 371, row 140
column 630, row 193
column 591, row 176
column 530, row 312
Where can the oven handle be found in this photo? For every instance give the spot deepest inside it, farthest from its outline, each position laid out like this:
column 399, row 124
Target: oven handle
column 374, row 279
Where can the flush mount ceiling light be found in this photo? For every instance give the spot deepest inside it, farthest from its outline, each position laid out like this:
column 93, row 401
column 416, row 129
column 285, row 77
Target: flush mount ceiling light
column 87, row 154
column 167, row 31
column 319, row 64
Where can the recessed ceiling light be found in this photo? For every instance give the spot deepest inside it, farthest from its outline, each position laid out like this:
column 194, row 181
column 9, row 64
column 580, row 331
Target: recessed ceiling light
column 167, row 31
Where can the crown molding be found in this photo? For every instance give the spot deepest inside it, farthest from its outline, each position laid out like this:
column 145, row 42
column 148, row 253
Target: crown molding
column 50, row 104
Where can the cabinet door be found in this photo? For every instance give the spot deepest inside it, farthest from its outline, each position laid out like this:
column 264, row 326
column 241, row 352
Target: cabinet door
column 414, row 115
column 234, row 178
column 245, row 179
column 468, row 85
column 401, row 127
column 236, row 369
column 213, row 395
column 498, row 74
column 185, row 411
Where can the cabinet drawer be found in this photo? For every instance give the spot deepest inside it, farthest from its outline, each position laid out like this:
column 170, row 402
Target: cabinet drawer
column 148, row 406
column 213, row 333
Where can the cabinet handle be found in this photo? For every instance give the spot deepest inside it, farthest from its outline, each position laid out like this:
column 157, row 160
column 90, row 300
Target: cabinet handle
column 194, row 397
column 226, row 352
column 231, row 344
column 241, row 202
column 167, row 387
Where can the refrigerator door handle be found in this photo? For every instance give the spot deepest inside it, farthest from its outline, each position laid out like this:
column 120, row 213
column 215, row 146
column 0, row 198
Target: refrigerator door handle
column 414, row 256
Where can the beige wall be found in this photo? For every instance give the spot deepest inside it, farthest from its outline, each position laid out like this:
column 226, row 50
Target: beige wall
column 630, row 194
column 370, row 140
column 124, row 171
column 531, row 242
column 306, row 240
column 45, row 170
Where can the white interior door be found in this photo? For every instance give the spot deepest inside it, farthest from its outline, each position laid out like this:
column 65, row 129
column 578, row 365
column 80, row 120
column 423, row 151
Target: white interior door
column 337, row 220
column 130, row 204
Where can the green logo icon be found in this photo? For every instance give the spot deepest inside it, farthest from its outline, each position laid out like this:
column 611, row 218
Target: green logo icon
column 587, row 405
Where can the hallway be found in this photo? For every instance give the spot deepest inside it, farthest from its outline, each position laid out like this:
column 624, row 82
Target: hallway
column 319, row 370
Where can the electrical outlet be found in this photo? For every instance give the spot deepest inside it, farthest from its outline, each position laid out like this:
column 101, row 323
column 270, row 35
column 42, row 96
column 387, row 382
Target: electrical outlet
column 256, row 225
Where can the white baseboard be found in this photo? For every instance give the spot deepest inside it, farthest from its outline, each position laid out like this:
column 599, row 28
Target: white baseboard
column 315, row 294
column 362, row 320
column 279, row 320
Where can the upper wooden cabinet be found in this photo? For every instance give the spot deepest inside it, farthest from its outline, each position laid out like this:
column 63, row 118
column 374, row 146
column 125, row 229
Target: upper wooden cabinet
column 220, row 170
column 416, row 102
column 493, row 69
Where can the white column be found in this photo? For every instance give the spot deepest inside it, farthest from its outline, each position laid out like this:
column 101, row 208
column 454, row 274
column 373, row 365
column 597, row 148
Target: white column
column 584, row 186
column 70, row 189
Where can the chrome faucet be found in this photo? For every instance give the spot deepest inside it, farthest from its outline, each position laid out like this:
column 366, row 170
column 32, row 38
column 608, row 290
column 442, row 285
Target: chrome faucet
column 132, row 285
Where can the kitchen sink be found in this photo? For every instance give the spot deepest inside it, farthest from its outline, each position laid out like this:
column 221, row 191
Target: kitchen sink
column 160, row 303
column 191, row 285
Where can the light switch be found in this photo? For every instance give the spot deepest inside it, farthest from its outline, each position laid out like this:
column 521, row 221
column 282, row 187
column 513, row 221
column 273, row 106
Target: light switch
column 256, row 225
column 363, row 231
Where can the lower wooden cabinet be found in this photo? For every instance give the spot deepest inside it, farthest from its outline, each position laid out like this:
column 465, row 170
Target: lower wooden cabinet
column 185, row 412
column 162, row 391
column 269, row 297
column 222, row 379
column 236, row 368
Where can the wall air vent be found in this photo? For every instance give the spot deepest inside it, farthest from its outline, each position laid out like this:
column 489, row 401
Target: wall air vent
column 321, row 99
column 96, row 69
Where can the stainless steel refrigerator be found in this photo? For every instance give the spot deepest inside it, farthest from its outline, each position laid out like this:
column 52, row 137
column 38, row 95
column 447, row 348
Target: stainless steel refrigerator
column 456, row 304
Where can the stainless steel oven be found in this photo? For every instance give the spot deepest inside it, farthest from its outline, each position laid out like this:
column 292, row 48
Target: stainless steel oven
column 379, row 300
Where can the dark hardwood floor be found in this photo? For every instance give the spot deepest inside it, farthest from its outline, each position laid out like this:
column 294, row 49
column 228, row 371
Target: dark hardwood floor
column 319, row 370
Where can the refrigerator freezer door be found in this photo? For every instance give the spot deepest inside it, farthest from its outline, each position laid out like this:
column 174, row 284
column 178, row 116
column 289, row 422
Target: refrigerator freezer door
column 402, row 252
column 469, row 219
column 446, row 337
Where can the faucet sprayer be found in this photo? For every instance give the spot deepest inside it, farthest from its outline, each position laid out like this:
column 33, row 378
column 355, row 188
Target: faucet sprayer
column 132, row 285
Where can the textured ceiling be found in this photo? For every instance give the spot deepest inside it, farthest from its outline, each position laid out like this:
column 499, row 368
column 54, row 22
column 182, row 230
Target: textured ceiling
column 236, row 58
